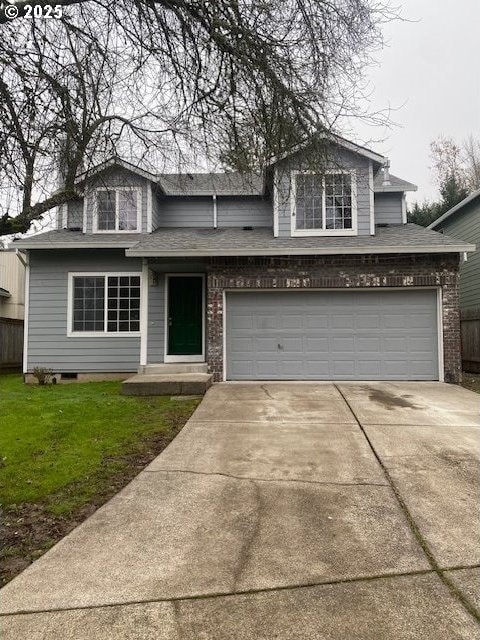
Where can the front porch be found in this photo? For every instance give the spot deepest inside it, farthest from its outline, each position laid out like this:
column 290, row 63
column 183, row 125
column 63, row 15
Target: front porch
column 168, row 379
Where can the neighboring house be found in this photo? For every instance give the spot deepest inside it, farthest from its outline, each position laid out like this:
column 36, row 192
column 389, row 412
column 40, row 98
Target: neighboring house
column 292, row 275
column 12, row 303
column 463, row 222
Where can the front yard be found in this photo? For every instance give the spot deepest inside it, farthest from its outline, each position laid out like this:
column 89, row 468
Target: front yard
column 65, row 450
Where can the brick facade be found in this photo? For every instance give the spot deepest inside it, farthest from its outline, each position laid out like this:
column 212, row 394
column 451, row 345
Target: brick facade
column 327, row 272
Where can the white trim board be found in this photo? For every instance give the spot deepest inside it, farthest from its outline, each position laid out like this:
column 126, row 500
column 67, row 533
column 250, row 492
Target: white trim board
column 184, row 358
column 144, row 285
column 26, row 317
column 371, row 193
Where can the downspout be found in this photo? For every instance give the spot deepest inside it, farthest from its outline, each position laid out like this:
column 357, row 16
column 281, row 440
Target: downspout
column 19, row 255
column 215, row 213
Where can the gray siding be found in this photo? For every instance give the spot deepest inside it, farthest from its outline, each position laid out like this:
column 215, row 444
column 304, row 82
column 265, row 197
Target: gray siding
column 116, row 178
column 198, row 212
column 156, row 213
column 466, row 226
column 242, row 212
column 75, row 214
column 388, row 208
column 48, row 344
column 186, row 212
column 156, row 320
column 341, row 159
column 156, row 304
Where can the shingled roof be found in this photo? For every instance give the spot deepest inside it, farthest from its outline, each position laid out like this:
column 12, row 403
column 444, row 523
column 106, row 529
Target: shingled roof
column 409, row 238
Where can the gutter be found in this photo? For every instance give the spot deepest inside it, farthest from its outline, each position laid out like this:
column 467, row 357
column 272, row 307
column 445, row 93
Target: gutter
column 72, row 245
column 302, row 251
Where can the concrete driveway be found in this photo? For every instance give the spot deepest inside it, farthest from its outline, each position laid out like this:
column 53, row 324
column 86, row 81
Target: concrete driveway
column 282, row 510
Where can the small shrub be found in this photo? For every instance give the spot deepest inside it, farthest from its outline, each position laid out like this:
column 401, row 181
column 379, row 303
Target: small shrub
column 43, row 375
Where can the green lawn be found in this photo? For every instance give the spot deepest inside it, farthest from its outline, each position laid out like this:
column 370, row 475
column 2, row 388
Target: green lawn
column 61, row 445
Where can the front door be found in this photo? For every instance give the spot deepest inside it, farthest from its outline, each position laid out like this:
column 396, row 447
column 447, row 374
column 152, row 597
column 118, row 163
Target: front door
column 185, row 315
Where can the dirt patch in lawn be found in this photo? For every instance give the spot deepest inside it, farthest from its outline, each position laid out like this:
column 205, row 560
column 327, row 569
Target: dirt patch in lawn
column 28, row 530
column 471, row 381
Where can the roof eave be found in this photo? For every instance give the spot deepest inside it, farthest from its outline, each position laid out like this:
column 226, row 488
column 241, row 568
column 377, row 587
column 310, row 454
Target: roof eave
column 152, row 253
column 395, row 188
column 73, row 245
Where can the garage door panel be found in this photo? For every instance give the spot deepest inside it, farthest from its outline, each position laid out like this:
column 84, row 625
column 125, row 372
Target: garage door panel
column 332, row 335
column 265, row 345
column 317, row 369
column 264, row 321
column 320, row 321
column 366, row 369
column 367, row 321
column 291, row 321
column 394, row 321
column 317, row 345
column 368, row 344
column 344, row 369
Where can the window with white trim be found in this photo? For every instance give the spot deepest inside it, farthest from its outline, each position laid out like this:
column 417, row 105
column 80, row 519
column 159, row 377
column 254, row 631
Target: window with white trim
column 118, row 209
column 105, row 303
column 324, row 202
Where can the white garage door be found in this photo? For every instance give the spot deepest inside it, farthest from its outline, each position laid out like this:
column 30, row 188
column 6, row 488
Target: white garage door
column 334, row 335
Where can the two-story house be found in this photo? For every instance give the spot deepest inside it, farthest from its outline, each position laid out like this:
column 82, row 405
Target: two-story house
column 292, row 275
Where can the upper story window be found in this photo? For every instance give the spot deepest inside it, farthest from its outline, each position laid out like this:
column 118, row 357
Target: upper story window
column 117, row 209
column 324, row 204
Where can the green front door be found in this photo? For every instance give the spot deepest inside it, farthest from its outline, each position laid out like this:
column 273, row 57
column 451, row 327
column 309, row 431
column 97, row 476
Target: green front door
column 185, row 315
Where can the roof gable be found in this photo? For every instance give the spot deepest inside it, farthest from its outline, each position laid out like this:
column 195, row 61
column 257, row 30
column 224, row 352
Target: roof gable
column 456, row 209
column 115, row 162
column 337, row 140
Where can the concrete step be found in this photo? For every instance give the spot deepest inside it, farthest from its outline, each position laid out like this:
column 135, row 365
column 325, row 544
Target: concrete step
column 173, row 367
column 172, row 384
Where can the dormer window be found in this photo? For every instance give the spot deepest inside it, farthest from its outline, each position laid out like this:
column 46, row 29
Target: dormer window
column 324, row 204
column 117, row 210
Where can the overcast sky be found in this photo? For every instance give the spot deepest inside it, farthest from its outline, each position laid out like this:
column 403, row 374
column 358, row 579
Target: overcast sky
column 430, row 70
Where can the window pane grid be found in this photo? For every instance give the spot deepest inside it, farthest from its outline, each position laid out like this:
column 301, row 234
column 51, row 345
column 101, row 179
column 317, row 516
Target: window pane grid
column 122, row 304
column 117, row 210
column 323, row 202
column 88, row 303
column 106, row 210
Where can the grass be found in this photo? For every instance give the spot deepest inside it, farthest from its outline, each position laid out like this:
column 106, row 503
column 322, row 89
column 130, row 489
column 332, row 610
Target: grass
column 65, row 449
column 471, row 381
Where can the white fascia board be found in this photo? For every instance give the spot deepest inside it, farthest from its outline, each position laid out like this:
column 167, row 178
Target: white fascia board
column 73, row 245
column 301, row 251
column 395, row 189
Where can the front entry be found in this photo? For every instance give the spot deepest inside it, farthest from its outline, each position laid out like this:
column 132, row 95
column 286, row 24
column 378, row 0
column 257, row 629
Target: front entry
column 185, row 318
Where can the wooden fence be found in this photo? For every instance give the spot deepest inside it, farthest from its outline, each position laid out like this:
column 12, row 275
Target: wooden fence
column 11, row 343
column 470, row 331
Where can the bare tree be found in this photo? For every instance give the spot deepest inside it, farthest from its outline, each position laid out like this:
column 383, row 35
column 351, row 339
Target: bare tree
column 471, row 156
column 455, row 161
column 158, row 80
